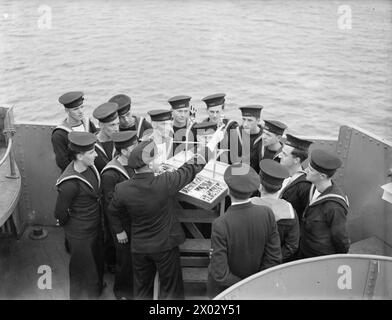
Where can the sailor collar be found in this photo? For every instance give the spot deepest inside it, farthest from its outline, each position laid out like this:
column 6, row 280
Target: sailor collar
column 64, row 125
column 70, row 173
column 283, row 208
column 116, row 165
column 99, row 146
column 326, row 195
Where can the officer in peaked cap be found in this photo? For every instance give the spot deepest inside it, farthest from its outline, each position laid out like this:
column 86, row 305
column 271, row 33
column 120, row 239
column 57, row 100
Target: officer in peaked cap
column 272, row 135
column 272, row 175
column 324, row 221
column 78, row 211
column 156, row 232
column 295, row 188
column 215, row 105
column 75, row 121
column 251, row 135
column 116, row 171
column 107, row 116
column 183, row 121
column 244, row 240
column 127, row 120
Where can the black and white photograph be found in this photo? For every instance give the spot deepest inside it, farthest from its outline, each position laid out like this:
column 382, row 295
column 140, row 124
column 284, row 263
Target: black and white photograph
column 273, row 179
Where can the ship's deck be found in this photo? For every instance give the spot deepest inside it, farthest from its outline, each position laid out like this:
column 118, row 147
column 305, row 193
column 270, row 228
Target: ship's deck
column 20, row 260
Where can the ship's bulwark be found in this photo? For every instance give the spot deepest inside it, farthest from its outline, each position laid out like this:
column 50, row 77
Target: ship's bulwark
column 366, row 160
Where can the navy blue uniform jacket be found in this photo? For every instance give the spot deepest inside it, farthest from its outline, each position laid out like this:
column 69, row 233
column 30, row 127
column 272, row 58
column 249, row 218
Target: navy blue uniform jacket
column 323, row 227
column 78, row 203
column 148, row 200
column 60, row 141
column 297, row 193
column 245, row 240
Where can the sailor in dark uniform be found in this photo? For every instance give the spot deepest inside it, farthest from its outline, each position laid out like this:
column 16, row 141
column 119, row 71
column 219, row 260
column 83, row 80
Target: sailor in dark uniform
column 215, row 105
column 156, row 232
column 245, row 240
column 183, row 121
column 127, row 120
column 323, row 225
column 116, row 171
column 78, row 211
column 75, row 121
column 296, row 188
column 107, row 116
column 272, row 134
column 162, row 134
column 272, row 175
column 251, row 136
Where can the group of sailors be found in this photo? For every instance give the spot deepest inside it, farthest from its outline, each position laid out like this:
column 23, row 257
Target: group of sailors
column 118, row 212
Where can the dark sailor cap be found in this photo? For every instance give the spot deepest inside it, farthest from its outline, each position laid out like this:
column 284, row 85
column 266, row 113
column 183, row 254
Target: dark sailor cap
column 241, row 178
column 272, row 173
column 179, row 102
column 124, row 103
column 81, row 141
column 204, row 126
column 213, row 100
column 253, row 110
column 106, row 112
column 72, row 99
column 160, row 115
column 324, row 161
column 142, row 155
column 297, row 143
column 274, row 126
column 124, row 139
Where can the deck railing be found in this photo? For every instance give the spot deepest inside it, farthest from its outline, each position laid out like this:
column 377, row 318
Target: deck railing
column 9, row 132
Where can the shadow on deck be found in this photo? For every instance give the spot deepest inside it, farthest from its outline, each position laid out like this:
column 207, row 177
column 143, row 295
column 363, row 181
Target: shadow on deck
column 20, row 260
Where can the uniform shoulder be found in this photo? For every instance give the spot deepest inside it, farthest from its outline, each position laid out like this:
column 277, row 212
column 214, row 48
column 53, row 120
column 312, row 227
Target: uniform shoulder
column 336, row 206
column 121, row 187
column 68, row 185
column 109, row 173
column 59, row 133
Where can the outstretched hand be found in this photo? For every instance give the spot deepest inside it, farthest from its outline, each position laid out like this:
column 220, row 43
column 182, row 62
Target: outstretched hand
column 122, row 237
